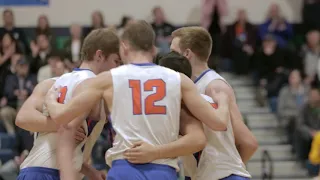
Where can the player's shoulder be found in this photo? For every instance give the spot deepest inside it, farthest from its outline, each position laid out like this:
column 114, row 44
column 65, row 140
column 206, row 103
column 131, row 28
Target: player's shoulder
column 219, row 85
column 43, row 86
column 167, row 69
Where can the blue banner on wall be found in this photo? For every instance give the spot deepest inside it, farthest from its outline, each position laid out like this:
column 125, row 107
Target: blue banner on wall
column 24, row 2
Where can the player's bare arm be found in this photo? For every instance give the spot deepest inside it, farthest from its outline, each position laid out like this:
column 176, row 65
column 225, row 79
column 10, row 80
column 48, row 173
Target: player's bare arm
column 79, row 119
column 30, row 115
column 201, row 109
column 245, row 141
column 31, row 118
column 192, row 141
column 65, row 153
column 95, row 88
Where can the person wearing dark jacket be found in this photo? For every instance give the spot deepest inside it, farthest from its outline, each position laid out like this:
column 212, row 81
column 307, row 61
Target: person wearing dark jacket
column 18, row 87
column 239, row 42
column 17, row 33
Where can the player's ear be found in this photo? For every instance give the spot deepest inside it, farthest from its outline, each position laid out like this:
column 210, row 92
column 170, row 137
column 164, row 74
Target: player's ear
column 154, row 51
column 124, row 46
column 187, row 53
column 99, row 55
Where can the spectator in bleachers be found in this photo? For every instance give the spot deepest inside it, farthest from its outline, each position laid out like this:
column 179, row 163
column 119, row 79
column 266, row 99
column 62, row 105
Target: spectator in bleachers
column 16, row 33
column 43, row 26
column 271, row 64
column 314, row 156
column 125, row 21
column 239, row 43
column 311, row 14
column 311, row 55
column 163, row 30
column 23, row 144
column 73, row 45
column 292, row 99
column 40, row 52
column 276, row 25
column 18, row 87
column 9, row 53
column 97, row 21
column 308, row 124
column 54, row 68
column 211, row 19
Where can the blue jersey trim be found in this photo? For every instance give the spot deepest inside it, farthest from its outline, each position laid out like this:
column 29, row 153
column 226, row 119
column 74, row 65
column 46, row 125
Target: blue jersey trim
column 144, row 64
column 201, row 75
column 80, row 69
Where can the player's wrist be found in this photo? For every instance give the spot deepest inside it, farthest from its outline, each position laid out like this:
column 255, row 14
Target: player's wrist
column 157, row 153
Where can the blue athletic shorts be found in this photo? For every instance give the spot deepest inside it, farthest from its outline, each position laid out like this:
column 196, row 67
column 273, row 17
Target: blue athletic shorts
column 235, row 177
column 123, row 170
column 39, row 173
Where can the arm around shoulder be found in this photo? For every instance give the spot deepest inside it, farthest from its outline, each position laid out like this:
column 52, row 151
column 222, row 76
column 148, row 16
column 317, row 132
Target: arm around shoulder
column 200, row 108
column 244, row 139
column 94, row 90
column 30, row 116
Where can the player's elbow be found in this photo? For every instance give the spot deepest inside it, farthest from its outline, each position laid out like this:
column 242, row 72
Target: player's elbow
column 253, row 145
column 20, row 120
column 201, row 142
column 250, row 144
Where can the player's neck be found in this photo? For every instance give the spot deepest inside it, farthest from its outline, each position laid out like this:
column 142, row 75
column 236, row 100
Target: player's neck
column 87, row 65
column 198, row 68
column 139, row 57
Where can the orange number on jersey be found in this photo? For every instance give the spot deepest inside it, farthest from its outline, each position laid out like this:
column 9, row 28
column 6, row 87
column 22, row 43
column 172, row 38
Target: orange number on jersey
column 214, row 105
column 136, row 96
column 150, row 108
column 62, row 95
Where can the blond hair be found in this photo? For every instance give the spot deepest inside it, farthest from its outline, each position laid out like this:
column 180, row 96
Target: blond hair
column 140, row 36
column 104, row 39
column 197, row 39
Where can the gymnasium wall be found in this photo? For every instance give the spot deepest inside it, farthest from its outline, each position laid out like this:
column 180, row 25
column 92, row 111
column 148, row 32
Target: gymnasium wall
column 179, row 12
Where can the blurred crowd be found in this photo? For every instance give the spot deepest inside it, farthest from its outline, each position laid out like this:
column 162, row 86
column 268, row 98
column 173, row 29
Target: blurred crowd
column 282, row 59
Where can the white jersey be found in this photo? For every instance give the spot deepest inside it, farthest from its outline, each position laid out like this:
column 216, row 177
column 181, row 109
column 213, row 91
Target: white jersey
column 220, row 158
column 146, row 107
column 43, row 152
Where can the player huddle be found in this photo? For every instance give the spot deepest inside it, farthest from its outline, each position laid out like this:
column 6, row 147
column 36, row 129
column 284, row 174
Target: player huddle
column 160, row 116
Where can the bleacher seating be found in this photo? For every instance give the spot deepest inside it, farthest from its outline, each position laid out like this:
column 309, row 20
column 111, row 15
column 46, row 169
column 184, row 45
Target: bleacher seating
column 6, row 141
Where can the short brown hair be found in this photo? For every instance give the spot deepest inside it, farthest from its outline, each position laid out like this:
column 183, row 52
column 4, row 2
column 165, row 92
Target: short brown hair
column 8, row 11
column 104, row 39
column 197, row 39
column 140, row 36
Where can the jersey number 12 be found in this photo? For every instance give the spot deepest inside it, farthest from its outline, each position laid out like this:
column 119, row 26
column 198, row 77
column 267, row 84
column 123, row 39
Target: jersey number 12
column 149, row 106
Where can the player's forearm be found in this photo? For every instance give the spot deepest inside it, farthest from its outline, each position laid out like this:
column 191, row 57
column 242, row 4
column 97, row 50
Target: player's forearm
column 188, row 144
column 35, row 121
column 65, row 113
column 223, row 115
column 246, row 151
column 65, row 161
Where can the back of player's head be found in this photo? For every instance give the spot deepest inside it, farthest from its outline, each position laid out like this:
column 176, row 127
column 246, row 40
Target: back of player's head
column 140, row 36
column 106, row 40
column 176, row 62
column 197, row 39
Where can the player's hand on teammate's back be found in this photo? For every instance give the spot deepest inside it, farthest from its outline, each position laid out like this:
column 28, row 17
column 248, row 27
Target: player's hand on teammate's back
column 80, row 135
column 219, row 97
column 141, row 152
column 52, row 95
